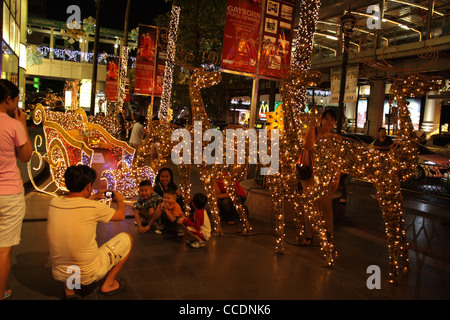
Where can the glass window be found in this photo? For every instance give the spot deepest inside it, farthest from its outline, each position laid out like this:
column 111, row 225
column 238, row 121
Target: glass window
column 12, row 8
column 5, row 24
column 17, row 37
column 12, row 33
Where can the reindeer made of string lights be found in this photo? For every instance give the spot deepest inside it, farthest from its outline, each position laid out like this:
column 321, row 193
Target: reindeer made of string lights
column 386, row 170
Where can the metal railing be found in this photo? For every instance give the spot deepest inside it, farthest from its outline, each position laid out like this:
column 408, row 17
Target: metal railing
column 430, row 179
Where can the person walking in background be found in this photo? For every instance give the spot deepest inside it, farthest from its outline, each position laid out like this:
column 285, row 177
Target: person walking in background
column 137, row 133
column 383, row 142
column 14, row 144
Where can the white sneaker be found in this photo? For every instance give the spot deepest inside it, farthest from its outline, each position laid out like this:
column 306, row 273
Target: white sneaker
column 198, row 244
column 157, row 231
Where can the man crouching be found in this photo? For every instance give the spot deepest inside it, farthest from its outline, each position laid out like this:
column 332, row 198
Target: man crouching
column 71, row 229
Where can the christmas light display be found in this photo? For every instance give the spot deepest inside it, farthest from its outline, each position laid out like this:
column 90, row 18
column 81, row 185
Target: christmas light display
column 122, row 79
column 284, row 185
column 71, row 140
column 62, row 149
column 109, row 123
column 170, row 62
column 43, row 52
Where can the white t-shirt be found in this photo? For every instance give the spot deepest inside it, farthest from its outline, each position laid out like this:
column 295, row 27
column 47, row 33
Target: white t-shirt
column 72, row 232
column 137, row 133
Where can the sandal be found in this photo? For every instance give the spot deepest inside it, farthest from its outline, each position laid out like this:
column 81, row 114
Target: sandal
column 122, row 285
column 74, row 296
column 307, row 241
column 7, row 294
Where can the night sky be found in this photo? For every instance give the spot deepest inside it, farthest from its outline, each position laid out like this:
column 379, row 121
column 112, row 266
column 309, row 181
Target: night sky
column 112, row 13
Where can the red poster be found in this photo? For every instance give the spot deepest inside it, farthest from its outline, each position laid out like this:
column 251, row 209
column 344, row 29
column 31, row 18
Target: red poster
column 240, row 42
column 161, row 62
column 112, row 79
column 277, row 38
column 159, row 78
column 145, row 60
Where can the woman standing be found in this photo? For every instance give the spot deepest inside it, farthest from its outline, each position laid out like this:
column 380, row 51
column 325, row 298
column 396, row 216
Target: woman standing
column 14, row 142
column 314, row 133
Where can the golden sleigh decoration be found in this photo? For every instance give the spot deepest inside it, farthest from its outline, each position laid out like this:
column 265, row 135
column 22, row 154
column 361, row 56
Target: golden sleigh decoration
column 70, row 140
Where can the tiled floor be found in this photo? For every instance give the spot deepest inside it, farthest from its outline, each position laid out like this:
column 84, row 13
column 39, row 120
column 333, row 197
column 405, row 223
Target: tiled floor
column 243, row 267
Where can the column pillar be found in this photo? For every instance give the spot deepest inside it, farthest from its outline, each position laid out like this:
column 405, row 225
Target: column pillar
column 428, row 123
column 375, row 110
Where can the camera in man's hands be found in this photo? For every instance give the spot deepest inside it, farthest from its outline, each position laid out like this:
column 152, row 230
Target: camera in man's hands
column 109, row 194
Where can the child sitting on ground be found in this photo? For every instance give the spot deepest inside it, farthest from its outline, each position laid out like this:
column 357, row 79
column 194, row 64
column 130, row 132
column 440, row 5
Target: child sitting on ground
column 145, row 206
column 168, row 211
column 198, row 226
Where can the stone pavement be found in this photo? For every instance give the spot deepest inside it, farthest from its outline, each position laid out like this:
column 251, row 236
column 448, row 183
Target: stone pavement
column 244, row 267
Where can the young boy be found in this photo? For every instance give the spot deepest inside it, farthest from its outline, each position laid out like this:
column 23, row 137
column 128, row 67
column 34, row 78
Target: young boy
column 169, row 211
column 198, row 226
column 145, row 206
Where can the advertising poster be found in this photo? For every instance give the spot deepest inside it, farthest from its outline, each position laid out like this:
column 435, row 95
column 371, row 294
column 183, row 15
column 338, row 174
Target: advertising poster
column 277, row 38
column 112, row 79
column 335, row 78
column 145, row 60
column 160, row 64
column 240, row 42
column 351, row 85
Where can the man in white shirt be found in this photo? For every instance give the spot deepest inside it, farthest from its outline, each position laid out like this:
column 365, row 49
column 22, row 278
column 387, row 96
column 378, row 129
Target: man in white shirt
column 137, row 132
column 71, row 229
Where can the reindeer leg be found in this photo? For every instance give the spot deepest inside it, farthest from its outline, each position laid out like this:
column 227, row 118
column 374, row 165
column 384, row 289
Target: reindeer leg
column 274, row 185
column 184, row 171
column 208, row 179
column 391, row 207
column 230, row 184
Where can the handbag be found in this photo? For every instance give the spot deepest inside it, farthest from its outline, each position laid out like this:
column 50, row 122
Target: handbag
column 303, row 167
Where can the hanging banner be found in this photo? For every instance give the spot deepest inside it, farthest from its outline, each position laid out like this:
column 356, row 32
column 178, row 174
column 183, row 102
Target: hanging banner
column 335, row 79
column 351, row 85
column 240, row 41
column 160, row 63
column 145, row 60
column 112, row 78
column 277, row 38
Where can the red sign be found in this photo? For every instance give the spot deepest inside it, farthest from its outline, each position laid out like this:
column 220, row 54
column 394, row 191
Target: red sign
column 145, row 60
column 242, row 36
column 240, row 42
column 278, row 25
column 112, row 79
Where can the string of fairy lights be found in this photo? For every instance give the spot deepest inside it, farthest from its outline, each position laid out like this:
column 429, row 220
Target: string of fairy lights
column 73, row 55
column 122, row 79
column 170, row 62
